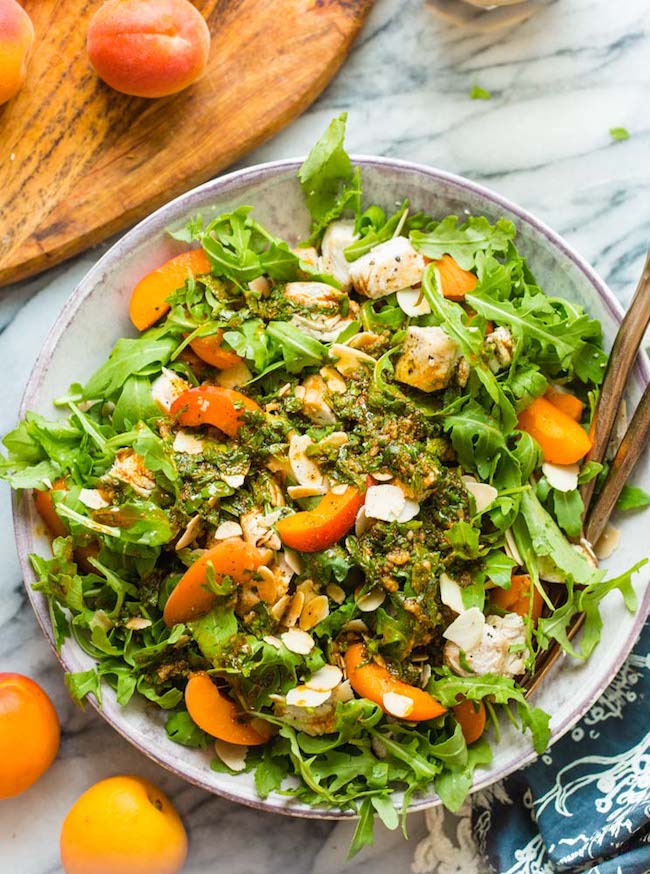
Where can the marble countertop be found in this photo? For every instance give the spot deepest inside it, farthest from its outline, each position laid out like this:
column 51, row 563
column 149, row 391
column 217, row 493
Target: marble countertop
column 559, row 81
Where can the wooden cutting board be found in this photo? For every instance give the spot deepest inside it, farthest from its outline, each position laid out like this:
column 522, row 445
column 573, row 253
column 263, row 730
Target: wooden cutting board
column 78, row 161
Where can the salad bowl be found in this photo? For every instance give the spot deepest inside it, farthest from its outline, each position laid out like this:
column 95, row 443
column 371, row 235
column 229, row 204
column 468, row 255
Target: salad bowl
column 96, row 316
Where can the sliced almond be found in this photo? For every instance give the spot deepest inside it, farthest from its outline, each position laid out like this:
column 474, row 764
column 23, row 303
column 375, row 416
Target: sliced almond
column 235, row 480
column 137, row 623
column 484, row 494
column 362, row 523
column 357, row 625
column 314, row 612
column 607, row 542
column 467, row 630
column 510, row 548
column 561, row 477
column 188, row 443
column 232, row 755
column 450, row 593
column 339, row 488
column 333, row 379
column 410, row 510
column 308, row 589
column 293, row 560
column 305, row 471
column 260, row 285
column 369, row 602
column 278, row 609
column 336, row 593
column 297, row 641
column 298, row 492
column 344, row 691
column 272, row 641
column 397, row 705
column 194, row 528
column 295, row 609
column 93, row 499
column 349, row 360
column 413, row 302
column 303, row 696
column 383, row 477
column 227, row 530
column 336, row 439
column 384, row 502
column 425, row 675
column 325, row 679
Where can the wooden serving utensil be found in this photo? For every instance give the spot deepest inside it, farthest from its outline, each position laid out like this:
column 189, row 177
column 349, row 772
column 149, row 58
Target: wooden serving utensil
column 621, row 361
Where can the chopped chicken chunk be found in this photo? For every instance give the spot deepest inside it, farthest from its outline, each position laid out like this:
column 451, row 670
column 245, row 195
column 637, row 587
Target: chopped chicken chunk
column 428, row 360
column 493, row 654
column 389, row 267
column 129, row 468
column 499, row 347
column 337, row 237
column 314, row 403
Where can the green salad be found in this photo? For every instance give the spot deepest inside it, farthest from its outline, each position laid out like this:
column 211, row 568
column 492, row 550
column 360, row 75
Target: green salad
column 324, row 510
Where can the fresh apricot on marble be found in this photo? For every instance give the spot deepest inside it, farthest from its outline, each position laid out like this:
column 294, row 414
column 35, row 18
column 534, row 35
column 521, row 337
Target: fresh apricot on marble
column 123, row 825
column 16, row 42
column 148, row 48
column 29, row 733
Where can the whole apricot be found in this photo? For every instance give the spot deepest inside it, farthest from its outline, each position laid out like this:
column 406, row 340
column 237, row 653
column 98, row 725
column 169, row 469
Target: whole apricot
column 16, row 41
column 123, row 825
column 148, row 48
column 29, row 733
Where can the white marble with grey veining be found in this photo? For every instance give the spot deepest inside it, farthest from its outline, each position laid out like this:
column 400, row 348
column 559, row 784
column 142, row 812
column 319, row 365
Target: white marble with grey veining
column 559, row 81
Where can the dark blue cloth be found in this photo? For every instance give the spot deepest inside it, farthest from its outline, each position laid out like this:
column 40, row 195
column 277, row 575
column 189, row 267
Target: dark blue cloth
column 585, row 805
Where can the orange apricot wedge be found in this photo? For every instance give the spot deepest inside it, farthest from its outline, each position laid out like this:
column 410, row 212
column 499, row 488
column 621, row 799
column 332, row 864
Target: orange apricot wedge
column 218, row 715
column 471, row 716
column 149, row 297
column 455, row 282
column 191, row 598
column 210, row 350
column 373, row 682
column 46, row 510
column 322, row 527
column 560, row 437
column 516, row 599
column 213, row 405
column 565, row 401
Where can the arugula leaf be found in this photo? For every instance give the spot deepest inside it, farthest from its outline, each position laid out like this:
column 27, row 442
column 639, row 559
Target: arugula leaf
column 619, row 133
column 569, row 507
column 454, row 784
column 364, row 833
column 463, row 242
column 633, row 498
column 298, row 349
column 135, row 404
column 83, row 683
column 328, row 180
column 478, row 93
column 214, row 630
column 129, row 357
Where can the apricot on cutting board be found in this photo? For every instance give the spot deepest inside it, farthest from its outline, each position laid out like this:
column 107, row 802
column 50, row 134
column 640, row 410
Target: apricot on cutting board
column 148, row 48
column 16, row 41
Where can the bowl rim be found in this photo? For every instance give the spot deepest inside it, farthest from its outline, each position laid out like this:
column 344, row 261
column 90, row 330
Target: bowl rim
column 220, row 186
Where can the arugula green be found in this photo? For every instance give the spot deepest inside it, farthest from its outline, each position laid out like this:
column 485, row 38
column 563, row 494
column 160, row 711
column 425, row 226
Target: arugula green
column 633, row 498
column 464, row 242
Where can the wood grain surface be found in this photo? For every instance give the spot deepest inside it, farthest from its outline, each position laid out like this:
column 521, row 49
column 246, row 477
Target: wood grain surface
column 79, row 161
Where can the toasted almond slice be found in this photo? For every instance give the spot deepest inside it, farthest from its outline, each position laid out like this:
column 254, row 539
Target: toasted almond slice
column 349, row 360
column 235, row 480
column 383, row 477
column 93, row 499
column 293, row 560
column 336, row 439
column 412, row 302
column 260, row 285
column 185, row 441
column 397, row 705
column 362, row 522
column 369, row 602
column 339, row 488
column 336, row 593
column 325, row 679
column 450, row 594
column 305, row 471
column 298, row 641
column 298, row 492
column 309, row 590
column 357, row 625
column 561, row 477
column 303, row 696
column 232, row 755
column 510, row 548
column 194, row 527
column 484, row 494
column 266, row 574
column 333, row 379
column 607, row 542
column 410, row 510
column 466, row 631
column 344, row 691
column 294, row 610
column 227, row 530
column 425, row 675
column 384, row 502
column 314, row 612
column 278, row 609
column 272, row 640
column 137, row 623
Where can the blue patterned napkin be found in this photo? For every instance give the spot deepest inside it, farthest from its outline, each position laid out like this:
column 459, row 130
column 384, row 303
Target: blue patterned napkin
column 585, row 805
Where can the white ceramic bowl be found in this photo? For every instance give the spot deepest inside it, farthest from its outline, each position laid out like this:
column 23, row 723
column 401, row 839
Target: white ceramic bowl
column 96, row 315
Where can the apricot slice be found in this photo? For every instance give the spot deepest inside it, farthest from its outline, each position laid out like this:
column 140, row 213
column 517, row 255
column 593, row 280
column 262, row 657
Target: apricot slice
column 191, row 599
column 47, row 512
column 516, row 599
column 471, row 716
column 371, row 681
column 560, row 437
column 322, row 527
column 149, row 298
column 213, row 405
column 218, row 715
column 455, row 282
